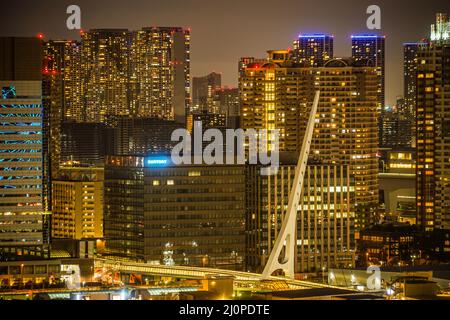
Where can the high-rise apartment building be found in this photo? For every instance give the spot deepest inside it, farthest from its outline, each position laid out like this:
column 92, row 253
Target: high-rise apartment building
column 23, row 222
column 203, row 91
column 62, row 99
column 372, row 48
column 105, row 70
column 325, row 225
column 433, row 130
column 77, row 209
column 160, row 75
column 410, row 65
column 159, row 212
column 279, row 96
column 313, row 49
column 117, row 72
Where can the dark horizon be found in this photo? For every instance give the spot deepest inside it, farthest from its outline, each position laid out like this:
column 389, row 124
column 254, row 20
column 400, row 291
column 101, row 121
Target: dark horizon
column 222, row 32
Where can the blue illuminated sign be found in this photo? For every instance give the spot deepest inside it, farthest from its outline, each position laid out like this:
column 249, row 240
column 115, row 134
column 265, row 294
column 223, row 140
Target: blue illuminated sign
column 159, row 161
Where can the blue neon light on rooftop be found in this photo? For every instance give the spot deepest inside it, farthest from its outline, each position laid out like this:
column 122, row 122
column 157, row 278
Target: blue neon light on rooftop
column 315, row 35
column 364, row 36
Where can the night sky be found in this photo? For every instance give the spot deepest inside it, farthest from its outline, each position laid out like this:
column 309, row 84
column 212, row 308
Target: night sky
column 223, row 31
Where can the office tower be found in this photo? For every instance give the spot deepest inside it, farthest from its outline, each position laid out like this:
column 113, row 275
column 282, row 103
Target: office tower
column 313, row 49
column 23, row 222
column 203, row 89
column 83, row 143
column 372, row 48
column 105, row 60
column 433, row 132
column 325, row 226
column 77, row 210
column 410, row 64
column 141, row 136
column 278, row 96
column 226, row 101
column 174, row 214
column 161, row 72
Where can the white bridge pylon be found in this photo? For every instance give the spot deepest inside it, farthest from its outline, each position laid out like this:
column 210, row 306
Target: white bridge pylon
column 286, row 237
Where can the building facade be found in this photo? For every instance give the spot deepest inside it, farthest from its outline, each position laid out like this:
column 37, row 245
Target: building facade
column 433, row 132
column 278, row 95
column 410, row 65
column 77, row 210
column 105, row 60
column 325, row 225
column 372, row 48
column 183, row 215
column 313, row 49
column 23, row 222
column 203, row 91
column 160, row 73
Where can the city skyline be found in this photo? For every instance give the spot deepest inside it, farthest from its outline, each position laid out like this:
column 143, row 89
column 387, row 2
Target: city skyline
column 213, row 26
column 138, row 163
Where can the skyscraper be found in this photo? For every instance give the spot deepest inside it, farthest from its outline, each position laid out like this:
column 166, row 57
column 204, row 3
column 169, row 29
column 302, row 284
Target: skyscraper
column 160, row 75
column 410, row 65
column 278, row 96
column 313, row 49
column 62, row 99
column 105, row 70
column 372, row 48
column 433, row 130
column 23, row 223
column 203, row 90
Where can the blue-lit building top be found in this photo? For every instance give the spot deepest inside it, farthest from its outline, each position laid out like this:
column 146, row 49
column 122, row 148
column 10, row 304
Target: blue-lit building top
column 313, row 49
column 371, row 48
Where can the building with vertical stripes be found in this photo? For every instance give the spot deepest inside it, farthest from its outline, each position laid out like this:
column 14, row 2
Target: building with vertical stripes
column 325, row 225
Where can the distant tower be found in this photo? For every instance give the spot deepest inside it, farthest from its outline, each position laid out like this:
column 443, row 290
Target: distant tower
column 410, row 64
column 203, row 90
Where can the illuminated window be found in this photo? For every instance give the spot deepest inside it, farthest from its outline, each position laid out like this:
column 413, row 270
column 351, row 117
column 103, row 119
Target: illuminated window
column 170, row 182
column 156, row 182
